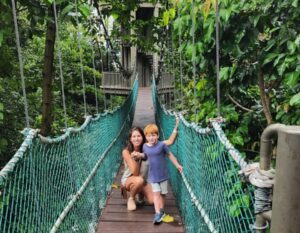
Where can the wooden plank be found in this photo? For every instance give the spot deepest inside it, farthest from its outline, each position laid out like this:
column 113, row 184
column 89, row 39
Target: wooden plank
column 145, row 208
column 121, row 201
column 133, row 227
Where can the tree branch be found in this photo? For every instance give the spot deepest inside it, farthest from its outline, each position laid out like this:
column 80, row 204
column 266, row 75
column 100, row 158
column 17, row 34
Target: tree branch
column 238, row 104
column 264, row 97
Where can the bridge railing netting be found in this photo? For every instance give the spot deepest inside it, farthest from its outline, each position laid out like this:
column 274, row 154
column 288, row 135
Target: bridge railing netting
column 211, row 195
column 44, row 179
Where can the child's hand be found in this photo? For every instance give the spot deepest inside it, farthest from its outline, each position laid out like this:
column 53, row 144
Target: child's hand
column 135, row 155
column 180, row 168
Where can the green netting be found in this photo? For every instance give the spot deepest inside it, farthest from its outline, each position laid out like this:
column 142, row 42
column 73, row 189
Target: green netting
column 43, row 179
column 210, row 194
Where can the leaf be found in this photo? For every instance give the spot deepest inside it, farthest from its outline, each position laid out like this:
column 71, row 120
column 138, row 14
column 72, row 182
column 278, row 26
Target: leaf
column 115, row 16
column 166, row 18
column 278, row 58
column 67, row 9
column 295, row 100
column 168, row 218
column 233, row 69
column 270, row 57
column 295, row 3
column 234, row 210
column 206, row 8
column 225, row 14
column 256, row 19
column 84, row 10
column 201, row 84
column 291, row 46
column 270, row 44
column 172, row 13
column 49, row 1
column 291, row 79
column 224, row 73
column 246, row 200
column 1, row 37
column 115, row 186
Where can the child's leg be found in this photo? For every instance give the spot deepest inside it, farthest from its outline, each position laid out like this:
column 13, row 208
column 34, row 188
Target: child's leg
column 163, row 201
column 157, row 201
column 164, row 191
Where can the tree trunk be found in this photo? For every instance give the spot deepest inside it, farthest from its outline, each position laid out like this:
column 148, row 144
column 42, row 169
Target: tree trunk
column 48, row 72
column 264, row 97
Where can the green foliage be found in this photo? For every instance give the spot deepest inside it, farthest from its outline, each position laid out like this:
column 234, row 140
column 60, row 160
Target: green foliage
column 31, row 22
column 257, row 37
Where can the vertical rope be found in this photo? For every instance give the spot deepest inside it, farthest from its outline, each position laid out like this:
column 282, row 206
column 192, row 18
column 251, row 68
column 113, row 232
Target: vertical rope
column 169, row 66
column 217, row 58
column 20, row 62
column 60, row 65
column 94, row 76
column 80, row 57
column 102, row 70
column 194, row 57
column 180, row 55
column 173, row 68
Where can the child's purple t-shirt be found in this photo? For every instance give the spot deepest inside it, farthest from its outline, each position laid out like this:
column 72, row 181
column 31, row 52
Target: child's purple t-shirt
column 157, row 161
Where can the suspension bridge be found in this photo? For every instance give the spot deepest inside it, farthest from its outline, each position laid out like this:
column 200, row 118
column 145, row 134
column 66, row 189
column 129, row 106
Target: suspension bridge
column 62, row 184
column 71, row 183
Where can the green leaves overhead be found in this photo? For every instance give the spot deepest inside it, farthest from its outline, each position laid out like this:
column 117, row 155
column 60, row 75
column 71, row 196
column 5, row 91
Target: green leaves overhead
column 83, row 9
column 295, row 100
column 168, row 15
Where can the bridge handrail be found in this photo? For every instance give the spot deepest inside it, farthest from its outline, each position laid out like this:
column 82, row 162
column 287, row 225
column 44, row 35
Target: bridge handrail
column 215, row 190
column 47, row 176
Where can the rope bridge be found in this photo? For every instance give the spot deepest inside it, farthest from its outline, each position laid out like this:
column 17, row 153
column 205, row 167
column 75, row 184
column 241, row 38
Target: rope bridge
column 61, row 184
column 210, row 194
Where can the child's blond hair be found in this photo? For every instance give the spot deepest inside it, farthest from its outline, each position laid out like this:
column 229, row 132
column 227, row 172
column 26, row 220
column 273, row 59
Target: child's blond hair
column 151, row 128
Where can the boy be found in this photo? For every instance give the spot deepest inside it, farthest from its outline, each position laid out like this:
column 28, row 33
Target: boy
column 155, row 151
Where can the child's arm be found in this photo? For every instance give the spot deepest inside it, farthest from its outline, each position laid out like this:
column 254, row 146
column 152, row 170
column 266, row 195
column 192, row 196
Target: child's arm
column 174, row 161
column 173, row 136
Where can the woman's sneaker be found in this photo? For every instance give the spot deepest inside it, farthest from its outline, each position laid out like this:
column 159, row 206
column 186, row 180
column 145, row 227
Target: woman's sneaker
column 131, row 204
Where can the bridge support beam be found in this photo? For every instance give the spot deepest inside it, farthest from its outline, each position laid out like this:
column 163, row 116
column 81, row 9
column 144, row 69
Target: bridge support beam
column 286, row 200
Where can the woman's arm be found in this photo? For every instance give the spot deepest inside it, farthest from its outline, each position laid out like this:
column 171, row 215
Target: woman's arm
column 173, row 136
column 133, row 165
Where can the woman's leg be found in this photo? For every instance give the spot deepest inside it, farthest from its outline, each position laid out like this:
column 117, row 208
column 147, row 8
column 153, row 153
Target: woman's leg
column 134, row 184
column 148, row 194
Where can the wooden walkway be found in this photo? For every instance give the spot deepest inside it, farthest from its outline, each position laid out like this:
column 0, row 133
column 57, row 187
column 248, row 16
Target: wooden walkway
column 115, row 217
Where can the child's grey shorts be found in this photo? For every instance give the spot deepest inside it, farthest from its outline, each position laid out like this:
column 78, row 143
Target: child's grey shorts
column 161, row 187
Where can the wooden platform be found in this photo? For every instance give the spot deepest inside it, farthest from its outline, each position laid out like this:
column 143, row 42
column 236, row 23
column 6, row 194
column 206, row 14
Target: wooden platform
column 144, row 111
column 117, row 219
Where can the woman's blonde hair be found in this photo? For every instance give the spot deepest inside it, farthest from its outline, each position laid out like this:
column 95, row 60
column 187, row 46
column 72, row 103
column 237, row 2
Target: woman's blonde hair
column 151, row 128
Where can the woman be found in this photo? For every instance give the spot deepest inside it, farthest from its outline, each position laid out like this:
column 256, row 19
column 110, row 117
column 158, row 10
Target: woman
column 136, row 170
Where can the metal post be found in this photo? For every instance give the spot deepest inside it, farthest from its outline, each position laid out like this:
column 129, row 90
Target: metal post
column 268, row 135
column 286, row 201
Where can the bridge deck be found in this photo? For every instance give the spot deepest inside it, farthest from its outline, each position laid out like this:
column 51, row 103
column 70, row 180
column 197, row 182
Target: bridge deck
column 115, row 217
